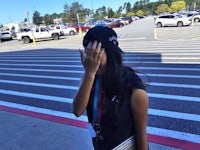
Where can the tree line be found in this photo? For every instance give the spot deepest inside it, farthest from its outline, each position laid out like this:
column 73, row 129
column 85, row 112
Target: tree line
column 139, row 8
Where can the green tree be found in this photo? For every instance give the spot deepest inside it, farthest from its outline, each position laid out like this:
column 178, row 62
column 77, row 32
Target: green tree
column 177, row 6
column 139, row 13
column 100, row 13
column 47, row 19
column 13, row 28
column 73, row 10
column 127, row 7
column 130, row 14
column 162, row 8
column 119, row 11
column 37, row 19
column 110, row 12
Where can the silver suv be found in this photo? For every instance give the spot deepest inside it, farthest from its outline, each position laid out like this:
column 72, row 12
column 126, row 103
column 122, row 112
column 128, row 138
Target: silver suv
column 172, row 20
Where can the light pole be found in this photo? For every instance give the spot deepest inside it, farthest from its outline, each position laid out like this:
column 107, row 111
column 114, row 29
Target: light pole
column 92, row 7
column 27, row 15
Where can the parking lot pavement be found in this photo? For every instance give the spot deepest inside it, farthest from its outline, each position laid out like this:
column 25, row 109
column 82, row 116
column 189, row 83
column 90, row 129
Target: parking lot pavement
column 178, row 33
column 19, row 132
column 74, row 41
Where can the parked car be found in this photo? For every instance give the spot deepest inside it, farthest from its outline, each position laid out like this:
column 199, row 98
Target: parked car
column 6, row 35
column 115, row 24
column 64, row 30
column 128, row 20
column 82, row 26
column 172, row 20
column 101, row 23
column 37, row 33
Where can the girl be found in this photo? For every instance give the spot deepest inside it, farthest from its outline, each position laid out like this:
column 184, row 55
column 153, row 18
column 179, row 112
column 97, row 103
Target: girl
column 113, row 95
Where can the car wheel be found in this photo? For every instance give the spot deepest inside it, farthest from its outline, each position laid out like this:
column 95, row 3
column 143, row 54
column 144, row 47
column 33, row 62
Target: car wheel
column 71, row 33
column 159, row 25
column 180, row 24
column 196, row 20
column 61, row 33
column 26, row 40
column 55, row 36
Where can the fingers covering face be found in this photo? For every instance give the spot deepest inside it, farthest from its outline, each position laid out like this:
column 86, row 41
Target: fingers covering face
column 94, row 50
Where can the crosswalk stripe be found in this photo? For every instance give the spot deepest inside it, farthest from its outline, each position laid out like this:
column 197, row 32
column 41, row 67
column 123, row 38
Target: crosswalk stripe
column 60, row 77
column 76, row 88
column 174, row 134
column 43, row 110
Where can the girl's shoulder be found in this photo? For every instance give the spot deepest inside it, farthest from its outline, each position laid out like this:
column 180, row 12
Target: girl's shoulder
column 132, row 78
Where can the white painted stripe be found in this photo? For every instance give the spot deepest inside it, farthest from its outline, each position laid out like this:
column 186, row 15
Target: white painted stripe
column 171, row 75
column 76, row 88
column 69, row 78
column 40, row 76
column 41, row 65
column 40, row 84
column 44, row 111
column 174, row 134
column 127, row 39
column 80, row 66
column 41, row 57
column 42, row 70
column 175, row 85
column 16, row 60
column 166, row 68
column 38, row 96
column 173, row 114
column 152, row 68
column 62, row 99
column 174, row 97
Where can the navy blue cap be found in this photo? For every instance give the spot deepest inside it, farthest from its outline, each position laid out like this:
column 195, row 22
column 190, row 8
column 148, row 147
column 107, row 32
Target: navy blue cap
column 106, row 35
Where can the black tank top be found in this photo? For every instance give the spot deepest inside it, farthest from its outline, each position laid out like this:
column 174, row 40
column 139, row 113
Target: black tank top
column 116, row 119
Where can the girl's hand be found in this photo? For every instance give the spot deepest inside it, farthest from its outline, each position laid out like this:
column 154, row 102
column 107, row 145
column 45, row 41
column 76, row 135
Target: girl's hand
column 91, row 60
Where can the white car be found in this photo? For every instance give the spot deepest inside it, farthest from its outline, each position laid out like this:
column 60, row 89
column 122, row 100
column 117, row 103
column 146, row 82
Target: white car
column 64, row 30
column 6, row 35
column 172, row 20
column 37, row 33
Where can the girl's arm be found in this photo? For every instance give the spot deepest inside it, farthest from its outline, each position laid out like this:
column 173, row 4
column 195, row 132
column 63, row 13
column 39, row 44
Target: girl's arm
column 139, row 105
column 91, row 62
column 82, row 97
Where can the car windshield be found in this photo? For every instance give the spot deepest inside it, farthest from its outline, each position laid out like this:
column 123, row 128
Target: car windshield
column 179, row 16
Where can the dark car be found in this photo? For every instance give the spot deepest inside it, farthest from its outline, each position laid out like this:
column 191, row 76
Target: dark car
column 115, row 24
column 129, row 19
column 83, row 27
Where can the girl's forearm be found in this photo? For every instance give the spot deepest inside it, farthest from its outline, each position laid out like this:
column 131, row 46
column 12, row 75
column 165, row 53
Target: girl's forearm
column 82, row 97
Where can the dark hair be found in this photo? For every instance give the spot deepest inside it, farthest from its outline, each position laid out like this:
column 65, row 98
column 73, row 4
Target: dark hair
column 112, row 78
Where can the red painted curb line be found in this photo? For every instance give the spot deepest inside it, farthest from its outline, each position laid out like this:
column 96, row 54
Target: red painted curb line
column 186, row 145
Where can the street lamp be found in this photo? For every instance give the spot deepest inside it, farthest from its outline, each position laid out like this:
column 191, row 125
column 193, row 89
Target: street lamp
column 92, row 7
column 27, row 15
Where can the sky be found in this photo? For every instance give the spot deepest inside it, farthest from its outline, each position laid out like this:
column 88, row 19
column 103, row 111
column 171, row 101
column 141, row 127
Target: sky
column 13, row 11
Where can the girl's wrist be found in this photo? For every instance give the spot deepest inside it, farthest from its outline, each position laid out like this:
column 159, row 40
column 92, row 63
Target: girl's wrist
column 89, row 75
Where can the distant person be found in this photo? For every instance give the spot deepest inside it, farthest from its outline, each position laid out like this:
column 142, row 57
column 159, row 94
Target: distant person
column 112, row 93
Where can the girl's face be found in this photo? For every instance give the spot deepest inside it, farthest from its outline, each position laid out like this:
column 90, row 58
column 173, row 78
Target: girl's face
column 102, row 64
